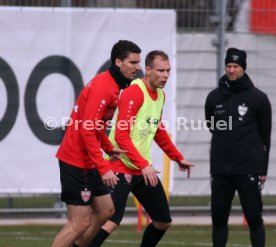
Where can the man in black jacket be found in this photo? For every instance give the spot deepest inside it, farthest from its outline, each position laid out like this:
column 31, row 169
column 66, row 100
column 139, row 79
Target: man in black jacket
column 239, row 118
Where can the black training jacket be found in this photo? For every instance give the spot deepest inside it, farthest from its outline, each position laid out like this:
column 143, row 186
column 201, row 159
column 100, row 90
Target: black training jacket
column 239, row 117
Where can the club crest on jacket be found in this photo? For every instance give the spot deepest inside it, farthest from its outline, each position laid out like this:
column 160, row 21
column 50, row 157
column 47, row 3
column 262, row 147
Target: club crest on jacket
column 242, row 109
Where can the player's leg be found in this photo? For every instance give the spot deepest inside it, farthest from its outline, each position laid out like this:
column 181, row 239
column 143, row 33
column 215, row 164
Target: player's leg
column 102, row 208
column 78, row 210
column 119, row 196
column 78, row 221
column 154, row 200
column 252, row 205
column 222, row 194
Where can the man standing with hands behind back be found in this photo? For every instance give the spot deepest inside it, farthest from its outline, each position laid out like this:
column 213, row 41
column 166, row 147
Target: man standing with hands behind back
column 239, row 155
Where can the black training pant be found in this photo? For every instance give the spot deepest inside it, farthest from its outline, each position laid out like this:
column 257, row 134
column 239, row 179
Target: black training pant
column 153, row 199
column 223, row 189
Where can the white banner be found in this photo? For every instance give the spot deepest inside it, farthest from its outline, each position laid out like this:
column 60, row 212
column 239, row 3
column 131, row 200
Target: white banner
column 37, row 46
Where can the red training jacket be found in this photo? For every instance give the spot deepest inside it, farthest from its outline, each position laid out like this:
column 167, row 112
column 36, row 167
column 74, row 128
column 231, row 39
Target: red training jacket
column 86, row 134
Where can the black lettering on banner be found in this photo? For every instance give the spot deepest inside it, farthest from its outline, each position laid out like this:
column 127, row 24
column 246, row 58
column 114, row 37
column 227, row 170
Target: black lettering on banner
column 10, row 82
column 47, row 66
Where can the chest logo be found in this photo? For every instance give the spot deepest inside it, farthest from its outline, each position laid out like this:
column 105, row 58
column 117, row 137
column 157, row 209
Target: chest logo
column 242, row 109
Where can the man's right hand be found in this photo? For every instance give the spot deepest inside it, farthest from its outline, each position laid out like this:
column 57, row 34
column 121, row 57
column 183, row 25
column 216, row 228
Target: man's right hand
column 116, row 153
column 150, row 177
column 110, row 179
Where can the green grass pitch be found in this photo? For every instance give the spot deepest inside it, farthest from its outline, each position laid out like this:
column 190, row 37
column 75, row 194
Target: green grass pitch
column 126, row 235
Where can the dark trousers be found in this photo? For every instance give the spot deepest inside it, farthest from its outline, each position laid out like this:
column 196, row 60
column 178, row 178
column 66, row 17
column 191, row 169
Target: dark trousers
column 153, row 199
column 223, row 189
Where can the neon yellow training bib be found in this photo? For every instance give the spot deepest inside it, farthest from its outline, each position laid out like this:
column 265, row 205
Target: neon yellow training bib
column 145, row 126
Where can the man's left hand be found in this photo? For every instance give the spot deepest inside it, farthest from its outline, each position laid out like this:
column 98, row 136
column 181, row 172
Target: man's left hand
column 184, row 166
column 262, row 179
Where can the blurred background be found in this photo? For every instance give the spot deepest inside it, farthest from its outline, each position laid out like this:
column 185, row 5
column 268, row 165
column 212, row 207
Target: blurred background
column 203, row 30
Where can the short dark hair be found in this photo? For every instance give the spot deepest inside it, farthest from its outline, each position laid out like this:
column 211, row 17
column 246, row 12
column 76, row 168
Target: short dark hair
column 122, row 48
column 152, row 55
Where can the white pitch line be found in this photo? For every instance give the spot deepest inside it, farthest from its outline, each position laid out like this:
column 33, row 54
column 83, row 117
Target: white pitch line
column 174, row 243
column 161, row 243
column 31, row 238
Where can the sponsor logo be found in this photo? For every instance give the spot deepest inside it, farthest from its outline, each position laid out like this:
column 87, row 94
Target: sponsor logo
column 151, row 120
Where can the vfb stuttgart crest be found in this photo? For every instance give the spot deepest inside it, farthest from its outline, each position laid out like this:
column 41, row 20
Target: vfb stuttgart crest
column 128, row 178
column 242, row 109
column 235, row 57
column 85, row 195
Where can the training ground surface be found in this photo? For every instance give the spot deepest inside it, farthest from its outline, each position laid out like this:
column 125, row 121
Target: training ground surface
column 126, row 235
column 188, row 231
column 177, row 220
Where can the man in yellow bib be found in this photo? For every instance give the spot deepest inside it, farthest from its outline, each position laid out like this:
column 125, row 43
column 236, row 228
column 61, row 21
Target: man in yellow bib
column 137, row 125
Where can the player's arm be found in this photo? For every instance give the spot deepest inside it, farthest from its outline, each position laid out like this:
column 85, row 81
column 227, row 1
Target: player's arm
column 108, row 148
column 106, row 145
column 96, row 103
column 128, row 106
column 264, row 118
column 130, row 102
column 208, row 113
column 164, row 141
